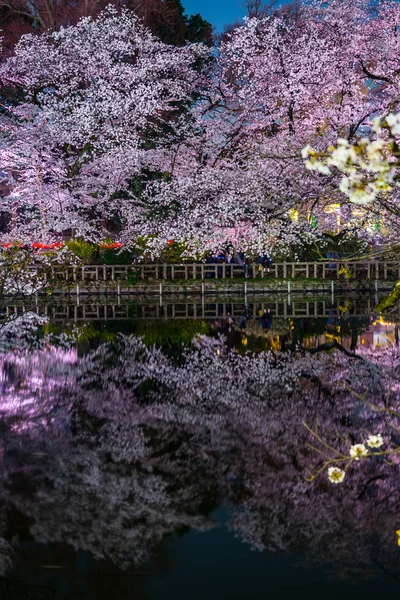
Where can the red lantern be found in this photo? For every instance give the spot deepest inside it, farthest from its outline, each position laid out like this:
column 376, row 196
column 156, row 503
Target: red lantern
column 53, row 246
column 110, row 245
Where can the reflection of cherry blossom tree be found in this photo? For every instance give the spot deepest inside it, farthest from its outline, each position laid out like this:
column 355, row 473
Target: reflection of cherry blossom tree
column 113, row 450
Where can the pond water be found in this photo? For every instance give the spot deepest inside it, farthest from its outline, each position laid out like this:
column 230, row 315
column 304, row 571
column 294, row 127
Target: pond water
column 154, row 450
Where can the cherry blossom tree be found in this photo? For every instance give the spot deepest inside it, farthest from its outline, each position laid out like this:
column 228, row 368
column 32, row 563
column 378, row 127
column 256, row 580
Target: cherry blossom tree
column 136, row 137
column 312, row 74
column 166, row 20
column 103, row 102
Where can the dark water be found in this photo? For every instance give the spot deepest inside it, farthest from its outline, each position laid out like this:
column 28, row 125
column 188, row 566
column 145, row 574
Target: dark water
column 137, row 464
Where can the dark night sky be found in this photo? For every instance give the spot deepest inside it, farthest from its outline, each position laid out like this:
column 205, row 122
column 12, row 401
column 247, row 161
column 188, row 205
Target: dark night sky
column 218, row 12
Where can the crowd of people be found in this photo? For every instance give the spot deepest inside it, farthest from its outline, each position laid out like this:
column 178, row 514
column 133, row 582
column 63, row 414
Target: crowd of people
column 227, row 256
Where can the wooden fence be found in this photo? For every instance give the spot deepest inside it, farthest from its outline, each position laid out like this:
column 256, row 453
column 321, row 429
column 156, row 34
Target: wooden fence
column 286, row 270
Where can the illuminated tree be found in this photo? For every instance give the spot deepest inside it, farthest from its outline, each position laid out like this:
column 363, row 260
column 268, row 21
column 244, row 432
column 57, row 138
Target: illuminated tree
column 103, row 102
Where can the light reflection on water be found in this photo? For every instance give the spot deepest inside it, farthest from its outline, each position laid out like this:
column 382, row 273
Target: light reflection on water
column 129, row 471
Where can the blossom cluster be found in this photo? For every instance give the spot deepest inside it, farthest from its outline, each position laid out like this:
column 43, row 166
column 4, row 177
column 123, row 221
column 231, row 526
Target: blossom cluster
column 369, row 167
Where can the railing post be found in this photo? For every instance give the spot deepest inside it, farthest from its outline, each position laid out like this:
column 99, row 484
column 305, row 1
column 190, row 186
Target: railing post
column 323, row 270
column 164, row 271
column 284, row 270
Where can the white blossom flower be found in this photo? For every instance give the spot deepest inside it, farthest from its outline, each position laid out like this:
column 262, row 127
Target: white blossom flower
column 375, row 441
column 307, row 151
column 357, row 451
column 357, row 190
column 376, row 124
column 336, row 475
column 343, row 156
column 376, row 161
column 394, row 123
column 312, row 163
column 319, row 166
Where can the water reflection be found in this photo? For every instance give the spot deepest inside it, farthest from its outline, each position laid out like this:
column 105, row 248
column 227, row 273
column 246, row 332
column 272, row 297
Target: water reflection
column 108, row 447
column 312, row 321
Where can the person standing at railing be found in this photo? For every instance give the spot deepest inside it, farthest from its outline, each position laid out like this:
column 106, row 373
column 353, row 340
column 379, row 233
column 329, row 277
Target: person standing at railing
column 243, row 262
column 331, row 254
column 265, row 262
column 210, row 260
column 229, row 261
column 220, row 259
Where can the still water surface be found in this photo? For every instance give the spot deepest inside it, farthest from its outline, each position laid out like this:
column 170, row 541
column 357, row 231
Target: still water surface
column 137, row 464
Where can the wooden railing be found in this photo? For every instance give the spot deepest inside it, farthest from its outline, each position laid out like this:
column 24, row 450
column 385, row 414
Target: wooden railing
column 286, row 270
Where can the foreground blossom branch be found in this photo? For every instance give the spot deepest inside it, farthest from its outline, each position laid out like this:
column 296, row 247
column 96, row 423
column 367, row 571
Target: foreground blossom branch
column 356, row 452
column 369, row 167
